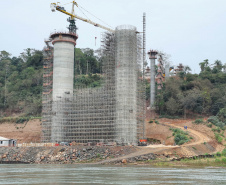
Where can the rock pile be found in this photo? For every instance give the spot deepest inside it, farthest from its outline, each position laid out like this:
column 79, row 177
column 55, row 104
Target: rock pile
column 64, row 154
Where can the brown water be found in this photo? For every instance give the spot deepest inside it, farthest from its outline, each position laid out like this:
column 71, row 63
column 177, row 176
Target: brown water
column 129, row 175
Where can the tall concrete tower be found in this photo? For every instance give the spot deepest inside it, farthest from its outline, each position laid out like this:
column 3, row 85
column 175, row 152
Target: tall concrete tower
column 126, row 84
column 167, row 70
column 63, row 64
column 152, row 57
column 63, row 76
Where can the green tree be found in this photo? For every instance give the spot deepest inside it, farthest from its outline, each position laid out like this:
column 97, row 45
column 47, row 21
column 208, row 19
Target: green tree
column 204, row 65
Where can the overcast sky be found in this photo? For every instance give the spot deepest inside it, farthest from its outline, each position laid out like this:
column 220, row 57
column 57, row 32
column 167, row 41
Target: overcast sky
column 188, row 30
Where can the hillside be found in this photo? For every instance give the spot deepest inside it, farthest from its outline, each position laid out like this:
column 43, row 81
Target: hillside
column 26, row 132
column 183, row 95
column 203, row 138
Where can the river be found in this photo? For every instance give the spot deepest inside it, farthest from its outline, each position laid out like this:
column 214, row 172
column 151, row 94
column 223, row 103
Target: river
column 88, row 174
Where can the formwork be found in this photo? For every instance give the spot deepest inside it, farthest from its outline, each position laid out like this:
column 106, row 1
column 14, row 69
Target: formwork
column 113, row 112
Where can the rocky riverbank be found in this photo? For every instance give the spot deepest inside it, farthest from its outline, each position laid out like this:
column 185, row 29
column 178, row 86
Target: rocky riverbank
column 68, row 154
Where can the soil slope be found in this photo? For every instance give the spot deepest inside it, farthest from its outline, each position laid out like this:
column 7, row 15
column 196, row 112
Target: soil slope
column 203, row 138
column 24, row 133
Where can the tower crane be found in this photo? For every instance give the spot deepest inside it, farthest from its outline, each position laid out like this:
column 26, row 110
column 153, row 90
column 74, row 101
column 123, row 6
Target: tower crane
column 72, row 27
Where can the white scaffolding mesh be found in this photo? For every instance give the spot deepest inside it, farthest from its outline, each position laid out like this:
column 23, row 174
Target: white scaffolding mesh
column 113, row 112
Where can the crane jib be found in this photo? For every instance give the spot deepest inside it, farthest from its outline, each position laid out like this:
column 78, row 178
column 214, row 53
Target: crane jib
column 61, row 9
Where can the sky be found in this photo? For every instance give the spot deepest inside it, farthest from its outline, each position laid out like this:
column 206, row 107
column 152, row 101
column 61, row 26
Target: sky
column 190, row 31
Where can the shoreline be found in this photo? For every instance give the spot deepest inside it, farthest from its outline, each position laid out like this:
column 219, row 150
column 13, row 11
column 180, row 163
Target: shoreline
column 106, row 155
column 216, row 162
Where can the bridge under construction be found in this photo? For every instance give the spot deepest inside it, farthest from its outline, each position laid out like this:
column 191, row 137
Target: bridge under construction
column 111, row 113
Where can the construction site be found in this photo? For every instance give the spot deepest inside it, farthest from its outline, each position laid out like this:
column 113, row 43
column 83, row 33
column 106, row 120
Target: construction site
column 113, row 113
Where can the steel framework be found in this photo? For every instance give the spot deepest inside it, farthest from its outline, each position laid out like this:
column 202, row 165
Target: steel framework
column 113, row 112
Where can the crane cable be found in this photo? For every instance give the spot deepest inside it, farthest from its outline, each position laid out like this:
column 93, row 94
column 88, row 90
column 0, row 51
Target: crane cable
column 66, row 4
column 95, row 16
column 89, row 13
column 83, row 13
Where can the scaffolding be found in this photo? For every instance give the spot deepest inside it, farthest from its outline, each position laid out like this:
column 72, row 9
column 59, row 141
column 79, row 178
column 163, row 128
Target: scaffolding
column 113, row 112
column 47, row 91
column 160, row 75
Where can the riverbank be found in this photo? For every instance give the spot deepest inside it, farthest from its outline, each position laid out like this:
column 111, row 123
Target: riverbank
column 63, row 154
column 117, row 155
column 217, row 162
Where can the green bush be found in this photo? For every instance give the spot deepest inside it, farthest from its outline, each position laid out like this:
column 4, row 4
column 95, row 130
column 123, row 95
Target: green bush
column 177, row 130
column 210, row 125
column 180, row 137
column 169, row 117
column 198, row 121
column 218, row 154
column 223, row 160
column 157, row 122
column 215, row 121
column 218, row 138
column 224, row 152
column 216, row 129
column 222, row 115
column 151, row 121
column 22, row 119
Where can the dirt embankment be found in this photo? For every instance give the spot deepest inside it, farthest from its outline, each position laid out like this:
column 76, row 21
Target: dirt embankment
column 203, row 140
column 24, row 133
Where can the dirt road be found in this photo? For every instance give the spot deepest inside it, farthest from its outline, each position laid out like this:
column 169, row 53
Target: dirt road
column 199, row 138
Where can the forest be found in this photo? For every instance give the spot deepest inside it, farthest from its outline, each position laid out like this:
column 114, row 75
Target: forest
column 21, row 79
column 182, row 95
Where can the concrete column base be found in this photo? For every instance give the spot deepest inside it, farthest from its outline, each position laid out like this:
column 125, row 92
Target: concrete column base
column 153, row 114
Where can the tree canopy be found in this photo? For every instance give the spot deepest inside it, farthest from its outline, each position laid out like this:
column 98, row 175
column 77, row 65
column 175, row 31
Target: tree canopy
column 21, row 79
column 203, row 93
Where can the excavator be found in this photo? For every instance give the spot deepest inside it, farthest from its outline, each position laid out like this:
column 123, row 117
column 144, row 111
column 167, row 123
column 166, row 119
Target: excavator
column 72, row 27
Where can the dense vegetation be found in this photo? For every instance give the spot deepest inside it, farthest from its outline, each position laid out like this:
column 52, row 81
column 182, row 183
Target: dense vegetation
column 21, row 79
column 21, row 82
column 190, row 94
column 180, row 137
column 182, row 95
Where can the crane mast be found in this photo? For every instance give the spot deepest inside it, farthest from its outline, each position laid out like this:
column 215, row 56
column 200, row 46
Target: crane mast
column 71, row 19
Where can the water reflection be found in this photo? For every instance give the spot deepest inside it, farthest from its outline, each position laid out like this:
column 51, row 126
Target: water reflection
column 131, row 175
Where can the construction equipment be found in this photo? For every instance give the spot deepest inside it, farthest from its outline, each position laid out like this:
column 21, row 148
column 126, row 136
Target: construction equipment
column 142, row 142
column 72, row 26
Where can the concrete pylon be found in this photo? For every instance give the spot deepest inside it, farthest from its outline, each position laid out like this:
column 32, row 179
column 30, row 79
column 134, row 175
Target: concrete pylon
column 152, row 56
column 63, row 77
column 63, row 63
column 126, row 84
column 167, row 68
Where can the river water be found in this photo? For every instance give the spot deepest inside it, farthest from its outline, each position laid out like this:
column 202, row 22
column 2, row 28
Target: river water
column 88, row 174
